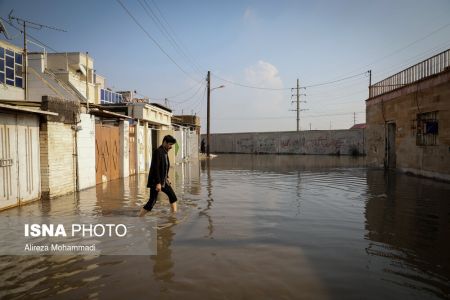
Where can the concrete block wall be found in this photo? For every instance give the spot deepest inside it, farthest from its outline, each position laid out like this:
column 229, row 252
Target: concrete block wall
column 57, row 159
column 86, row 151
column 334, row 142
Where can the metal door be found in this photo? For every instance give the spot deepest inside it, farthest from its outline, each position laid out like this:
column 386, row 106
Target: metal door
column 106, row 153
column 390, row 151
column 8, row 161
column 29, row 161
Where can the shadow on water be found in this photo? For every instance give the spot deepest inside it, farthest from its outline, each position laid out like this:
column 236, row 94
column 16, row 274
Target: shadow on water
column 257, row 227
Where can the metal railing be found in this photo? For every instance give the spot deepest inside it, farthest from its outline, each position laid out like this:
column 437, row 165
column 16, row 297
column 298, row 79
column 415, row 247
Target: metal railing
column 428, row 67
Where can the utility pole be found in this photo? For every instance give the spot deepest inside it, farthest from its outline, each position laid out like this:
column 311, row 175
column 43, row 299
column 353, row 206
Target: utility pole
column 24, row 60
column 298, row 106
column 370, row 83
column 208, row 86
column 354, row 118
column 298, row 110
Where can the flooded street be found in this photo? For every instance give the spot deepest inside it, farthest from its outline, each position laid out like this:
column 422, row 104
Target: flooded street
column 257, row 227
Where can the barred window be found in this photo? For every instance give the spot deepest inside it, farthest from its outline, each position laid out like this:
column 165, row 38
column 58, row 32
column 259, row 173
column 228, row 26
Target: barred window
column 427, row 129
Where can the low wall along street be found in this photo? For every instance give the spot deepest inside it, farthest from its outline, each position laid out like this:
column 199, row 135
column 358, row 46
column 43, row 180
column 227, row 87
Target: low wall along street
column 321, row 142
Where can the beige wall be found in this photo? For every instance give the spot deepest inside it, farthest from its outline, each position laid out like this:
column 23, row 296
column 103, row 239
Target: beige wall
column 150, row 113
column 402, row 107
column 57, row 160
column 8, row 92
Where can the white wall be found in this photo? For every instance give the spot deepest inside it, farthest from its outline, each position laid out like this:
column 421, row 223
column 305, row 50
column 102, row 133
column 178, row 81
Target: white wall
column 86, row 152
column 140, row 142
column 124, row 155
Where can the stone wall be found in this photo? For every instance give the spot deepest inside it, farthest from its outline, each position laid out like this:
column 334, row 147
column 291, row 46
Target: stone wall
column 402, row 108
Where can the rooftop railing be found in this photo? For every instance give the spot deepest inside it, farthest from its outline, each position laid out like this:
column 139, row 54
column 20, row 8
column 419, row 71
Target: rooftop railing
column 428, row 67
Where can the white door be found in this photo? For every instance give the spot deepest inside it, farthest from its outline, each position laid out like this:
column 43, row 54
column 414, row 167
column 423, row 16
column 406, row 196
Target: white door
column 28, row 153
column 8, row 160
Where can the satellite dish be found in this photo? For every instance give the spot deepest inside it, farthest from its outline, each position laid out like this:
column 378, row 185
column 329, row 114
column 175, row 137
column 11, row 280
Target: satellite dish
column 3, row 29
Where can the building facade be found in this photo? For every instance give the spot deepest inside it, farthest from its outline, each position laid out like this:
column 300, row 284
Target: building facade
column 408, row 119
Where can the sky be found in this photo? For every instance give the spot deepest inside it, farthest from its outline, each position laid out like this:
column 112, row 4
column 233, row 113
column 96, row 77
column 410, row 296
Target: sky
column 256, row 49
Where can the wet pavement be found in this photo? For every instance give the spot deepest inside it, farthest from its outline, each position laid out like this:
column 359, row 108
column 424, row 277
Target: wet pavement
column 257, row 227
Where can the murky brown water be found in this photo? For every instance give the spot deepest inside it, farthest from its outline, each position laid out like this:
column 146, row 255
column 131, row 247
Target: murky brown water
column 258, row 227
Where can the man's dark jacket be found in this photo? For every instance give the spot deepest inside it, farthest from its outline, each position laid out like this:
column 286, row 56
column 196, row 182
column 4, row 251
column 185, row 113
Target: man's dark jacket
column 159, row 167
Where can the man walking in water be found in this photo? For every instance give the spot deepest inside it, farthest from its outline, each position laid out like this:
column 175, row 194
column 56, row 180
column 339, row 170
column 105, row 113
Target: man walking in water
column 158, row 179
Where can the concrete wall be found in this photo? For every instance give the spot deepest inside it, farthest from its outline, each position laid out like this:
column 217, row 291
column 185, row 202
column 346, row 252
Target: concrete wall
column 402, row 108
column 57, row 159
column 86, row 152
column 140, row 142
column 343, row 142
column 193, row 142
column 124, row 149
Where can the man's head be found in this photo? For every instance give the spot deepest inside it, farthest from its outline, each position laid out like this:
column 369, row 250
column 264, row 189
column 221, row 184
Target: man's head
column 168, row 142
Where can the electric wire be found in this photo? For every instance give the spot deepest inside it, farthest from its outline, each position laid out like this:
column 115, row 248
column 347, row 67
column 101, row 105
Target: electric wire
column 151, row 15
column 154, row 41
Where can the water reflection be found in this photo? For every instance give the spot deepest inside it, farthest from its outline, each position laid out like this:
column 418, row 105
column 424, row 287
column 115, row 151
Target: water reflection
column 258, row 226
column 163, row 262
column 408, row 223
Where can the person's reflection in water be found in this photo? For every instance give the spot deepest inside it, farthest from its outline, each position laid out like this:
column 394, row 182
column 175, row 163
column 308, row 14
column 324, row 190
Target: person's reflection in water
column 163, row 266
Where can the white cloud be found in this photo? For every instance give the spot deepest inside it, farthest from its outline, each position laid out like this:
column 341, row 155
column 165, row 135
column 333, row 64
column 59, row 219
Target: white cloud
column 238, row 109
column 249, row 15
column 263, row 74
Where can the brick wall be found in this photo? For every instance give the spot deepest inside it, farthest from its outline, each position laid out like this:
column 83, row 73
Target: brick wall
column 57, row 159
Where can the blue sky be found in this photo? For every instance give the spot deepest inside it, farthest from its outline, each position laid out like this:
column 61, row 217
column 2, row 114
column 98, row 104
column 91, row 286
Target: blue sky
column 257, row 43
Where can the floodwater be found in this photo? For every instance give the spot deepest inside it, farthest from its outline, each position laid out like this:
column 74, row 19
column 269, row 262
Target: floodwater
column 258, row 227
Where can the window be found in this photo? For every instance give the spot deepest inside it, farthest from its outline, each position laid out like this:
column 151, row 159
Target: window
column 18, row 58
column 109, row 97
column 11, row 67
column 19, row 82
column 427, row 129
column 9, row 73
column 10, row 62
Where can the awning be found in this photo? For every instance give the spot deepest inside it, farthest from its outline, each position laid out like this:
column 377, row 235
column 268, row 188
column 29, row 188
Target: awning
column 28, row 109
column 107, row 114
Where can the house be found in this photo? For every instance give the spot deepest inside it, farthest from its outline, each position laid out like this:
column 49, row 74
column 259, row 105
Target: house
column 20, row 161
column 408, row 119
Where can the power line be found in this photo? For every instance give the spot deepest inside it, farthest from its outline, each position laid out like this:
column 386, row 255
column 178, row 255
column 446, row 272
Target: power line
column 155, row 42
column 250, row 86
column 169, row 36
column 175, row 36
column 151, row 15
column 402, row 48
column 289, row 117
column 334, row 81
column 187, row 99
